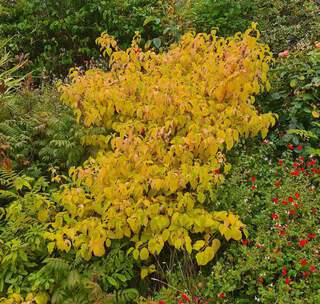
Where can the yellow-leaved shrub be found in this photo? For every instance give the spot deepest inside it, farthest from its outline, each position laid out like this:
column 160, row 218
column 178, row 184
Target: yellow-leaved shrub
column 173, row 115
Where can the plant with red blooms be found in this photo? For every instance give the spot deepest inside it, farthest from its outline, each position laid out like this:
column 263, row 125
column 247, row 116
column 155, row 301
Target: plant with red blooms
column 290, row 147
column 185, row 297
column 303, row 262
column 280, row 263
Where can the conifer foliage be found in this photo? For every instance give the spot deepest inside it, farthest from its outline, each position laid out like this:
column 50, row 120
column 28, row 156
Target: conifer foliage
column 173, row 115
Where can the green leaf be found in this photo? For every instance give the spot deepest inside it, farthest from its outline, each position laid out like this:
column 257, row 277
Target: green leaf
column 156, row 42
column 112, row 281
column 293, row 83
column 149, row 20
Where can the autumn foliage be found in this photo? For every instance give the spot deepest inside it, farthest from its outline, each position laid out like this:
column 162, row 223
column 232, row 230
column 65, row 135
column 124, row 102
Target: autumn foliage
column 172, row 116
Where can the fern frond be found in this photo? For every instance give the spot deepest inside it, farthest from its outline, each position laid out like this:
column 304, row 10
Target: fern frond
column 7, row 177
column 127, row 295
column 57, row 265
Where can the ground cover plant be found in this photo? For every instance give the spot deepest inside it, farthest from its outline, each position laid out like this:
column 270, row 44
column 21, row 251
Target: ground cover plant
column 279, row 261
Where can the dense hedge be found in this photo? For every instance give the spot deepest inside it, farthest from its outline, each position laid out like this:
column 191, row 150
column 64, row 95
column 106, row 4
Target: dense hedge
column 59, row 34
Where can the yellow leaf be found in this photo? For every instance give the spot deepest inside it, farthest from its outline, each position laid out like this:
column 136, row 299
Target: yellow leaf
column 315, row 114
column 215, row 245
column 51, row 246
column 144, row 272
column 43, row 215
column 144, row 254
column 97, row 246
column 41, row 298
column 135, row 254
column 198, row 245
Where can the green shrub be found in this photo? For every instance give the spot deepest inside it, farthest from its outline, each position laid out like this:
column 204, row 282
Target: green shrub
column 37, row 132
column 58, row 34
column 230, row 16
column 30, row 270
column 283, row 24
column 8, row 81
column 287, row 24
column 295, row 97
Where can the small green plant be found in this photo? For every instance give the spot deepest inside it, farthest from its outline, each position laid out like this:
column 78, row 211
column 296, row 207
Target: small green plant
column 8, row 82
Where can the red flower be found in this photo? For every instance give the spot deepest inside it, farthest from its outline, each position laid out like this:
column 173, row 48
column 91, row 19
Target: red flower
column 275, row 200
column 291, row 147
column 306, row 274
column 185, row 297
column 313, row 268
column 302, row 243
column 287, row 281
column 161, row 302
column 275, row 216
column 301, row 158
column 303, row 262
column 253, row 179
column 221, row 295
column 280, row 162
column 311, row 163
column 292, row 212
column 253, row 187
column 297, row 195
column 284, row 270
column 312, row 236
column 282, row 233
column 295, row 173
column 290, row 199
column 296, row 205
column 284, row 203
column 277, row 183
column 296, row 165
column 217, row 171
column 245, row 242
column 299, row 148
column 180, row 302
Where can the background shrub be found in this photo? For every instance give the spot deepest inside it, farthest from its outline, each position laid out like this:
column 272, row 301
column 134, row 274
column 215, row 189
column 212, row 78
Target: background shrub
column 56, row 35
column 38, row 132
column 295, row 97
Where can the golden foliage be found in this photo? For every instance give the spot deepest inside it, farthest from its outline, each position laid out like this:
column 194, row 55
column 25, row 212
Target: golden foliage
column 173, row 114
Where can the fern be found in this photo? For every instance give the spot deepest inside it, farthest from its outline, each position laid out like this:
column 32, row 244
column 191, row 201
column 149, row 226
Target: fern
column 126, row 295
column 7, row 177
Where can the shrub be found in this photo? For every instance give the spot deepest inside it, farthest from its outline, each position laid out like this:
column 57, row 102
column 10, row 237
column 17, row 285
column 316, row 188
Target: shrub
column 173, row 114
column 58, row 34
column 8, row 81
column 283, row 24
column 26, row 270
column 230, row 16
column 295, row 97
column 37, row 132
column 279, row 260
column 287, row 24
